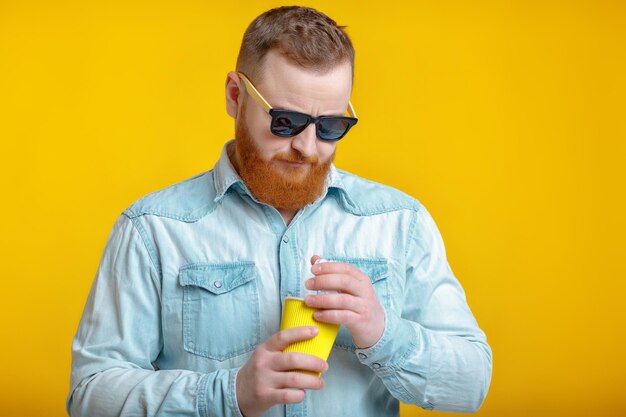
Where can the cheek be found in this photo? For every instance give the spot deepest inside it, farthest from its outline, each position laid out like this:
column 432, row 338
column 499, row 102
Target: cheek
column 325, row 150
column 270, row 145
column 266, row 143
column 258, row 122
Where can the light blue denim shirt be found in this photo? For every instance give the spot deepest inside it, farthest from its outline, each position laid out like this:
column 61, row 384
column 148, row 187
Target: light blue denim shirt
column 194, row 277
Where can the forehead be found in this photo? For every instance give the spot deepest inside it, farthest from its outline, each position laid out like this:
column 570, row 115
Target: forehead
column 285, row 83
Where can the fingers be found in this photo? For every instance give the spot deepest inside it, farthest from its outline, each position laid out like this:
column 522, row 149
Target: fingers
column 294, row 360
column 349, row 284
column 269, row 376
column 340, row 301
column 287, row 396
column 288, row 387
column 356, row 305
column 345, row 317
column 338, row 308
column 284, row 338
column 297, row 380
column 290, row 361
column 333, row 267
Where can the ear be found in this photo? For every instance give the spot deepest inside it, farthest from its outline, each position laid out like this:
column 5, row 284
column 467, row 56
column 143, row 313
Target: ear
column 233, row 94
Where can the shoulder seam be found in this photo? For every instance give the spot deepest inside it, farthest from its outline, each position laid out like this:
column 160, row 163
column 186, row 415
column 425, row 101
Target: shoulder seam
column 131, row 214
column 188, row 215
column 147, row 244
column 410, row 233
column 401, row 200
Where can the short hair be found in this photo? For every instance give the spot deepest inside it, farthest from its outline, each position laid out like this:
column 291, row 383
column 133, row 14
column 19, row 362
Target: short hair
column 305, row 36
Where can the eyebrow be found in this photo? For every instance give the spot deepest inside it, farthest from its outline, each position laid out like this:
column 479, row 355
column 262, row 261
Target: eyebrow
column 267, row 106
column 296, row 108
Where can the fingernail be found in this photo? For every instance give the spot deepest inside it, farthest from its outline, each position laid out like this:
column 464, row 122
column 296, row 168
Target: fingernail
column 314, row 330
column 309, row 283
column 316, row 268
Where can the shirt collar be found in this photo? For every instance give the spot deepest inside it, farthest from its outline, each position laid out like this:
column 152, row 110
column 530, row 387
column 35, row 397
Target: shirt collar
column 225, row 175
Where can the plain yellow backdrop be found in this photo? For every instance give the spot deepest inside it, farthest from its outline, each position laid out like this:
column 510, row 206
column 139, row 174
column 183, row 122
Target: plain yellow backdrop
column 506, row 119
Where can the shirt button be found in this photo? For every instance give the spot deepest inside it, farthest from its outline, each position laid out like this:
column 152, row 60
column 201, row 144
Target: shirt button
column 286, row 239
column 376, row 365
column 362, row 355
column 217, row 284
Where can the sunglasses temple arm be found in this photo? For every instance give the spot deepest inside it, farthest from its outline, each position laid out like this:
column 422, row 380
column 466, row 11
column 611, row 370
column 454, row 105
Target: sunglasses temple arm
column 266, row 106
column 255, row 93
column 351, row 111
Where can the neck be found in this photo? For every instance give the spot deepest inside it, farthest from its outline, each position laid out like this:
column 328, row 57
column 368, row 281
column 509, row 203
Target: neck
column 287, row 215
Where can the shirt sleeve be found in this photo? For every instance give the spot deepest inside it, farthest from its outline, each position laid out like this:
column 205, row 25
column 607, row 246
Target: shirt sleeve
column 432, row 353
column 119, row 338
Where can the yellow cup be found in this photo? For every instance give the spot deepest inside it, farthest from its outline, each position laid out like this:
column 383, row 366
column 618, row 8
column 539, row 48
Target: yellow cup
column 298, row 314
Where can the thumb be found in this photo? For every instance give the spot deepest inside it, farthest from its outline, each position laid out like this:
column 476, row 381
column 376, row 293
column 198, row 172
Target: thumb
column 314, row 259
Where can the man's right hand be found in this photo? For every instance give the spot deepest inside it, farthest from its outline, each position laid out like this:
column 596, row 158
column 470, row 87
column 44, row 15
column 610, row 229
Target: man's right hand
column 269, row 376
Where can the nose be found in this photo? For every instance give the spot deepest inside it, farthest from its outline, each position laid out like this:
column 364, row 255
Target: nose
column 306, row 141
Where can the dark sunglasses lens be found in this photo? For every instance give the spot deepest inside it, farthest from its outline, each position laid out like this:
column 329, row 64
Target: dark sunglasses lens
column 289, row 124
column 332, row 128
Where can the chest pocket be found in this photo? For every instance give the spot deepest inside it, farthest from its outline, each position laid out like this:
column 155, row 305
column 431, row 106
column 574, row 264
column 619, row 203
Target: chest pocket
column 377, row 270
column 220, row 309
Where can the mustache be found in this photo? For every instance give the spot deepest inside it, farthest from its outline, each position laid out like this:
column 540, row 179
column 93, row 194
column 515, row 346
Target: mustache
column 297, row 157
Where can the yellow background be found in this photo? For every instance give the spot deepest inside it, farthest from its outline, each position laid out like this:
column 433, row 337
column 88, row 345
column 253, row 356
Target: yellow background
column 506, row 119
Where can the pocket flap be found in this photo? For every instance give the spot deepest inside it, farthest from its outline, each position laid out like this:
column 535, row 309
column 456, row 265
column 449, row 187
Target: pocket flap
column 217, row 278
column 375, row 268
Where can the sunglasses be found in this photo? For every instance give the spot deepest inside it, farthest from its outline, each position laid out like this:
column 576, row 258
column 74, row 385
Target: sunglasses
column 286, row 123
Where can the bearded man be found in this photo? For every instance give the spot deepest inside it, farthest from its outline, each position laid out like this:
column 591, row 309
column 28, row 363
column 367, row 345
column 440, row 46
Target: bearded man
column 184, row 315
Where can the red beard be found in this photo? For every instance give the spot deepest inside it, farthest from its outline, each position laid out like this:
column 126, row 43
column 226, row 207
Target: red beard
column 288, row 188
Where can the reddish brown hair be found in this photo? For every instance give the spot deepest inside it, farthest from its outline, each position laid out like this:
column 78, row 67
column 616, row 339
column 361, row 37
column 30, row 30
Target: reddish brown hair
column 303, row 35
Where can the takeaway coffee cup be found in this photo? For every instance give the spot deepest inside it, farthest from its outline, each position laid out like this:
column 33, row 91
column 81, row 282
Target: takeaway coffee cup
column 298, row 314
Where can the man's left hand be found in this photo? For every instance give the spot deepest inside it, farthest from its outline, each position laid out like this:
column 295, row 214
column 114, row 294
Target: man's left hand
column 355, row 306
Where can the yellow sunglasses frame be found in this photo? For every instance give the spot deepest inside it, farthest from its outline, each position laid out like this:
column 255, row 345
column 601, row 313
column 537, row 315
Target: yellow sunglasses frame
column 251, row 89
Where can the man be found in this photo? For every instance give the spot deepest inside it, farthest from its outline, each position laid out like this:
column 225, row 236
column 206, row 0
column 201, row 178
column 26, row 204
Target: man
column 183, row 317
